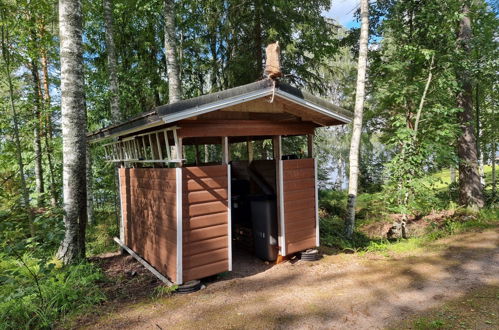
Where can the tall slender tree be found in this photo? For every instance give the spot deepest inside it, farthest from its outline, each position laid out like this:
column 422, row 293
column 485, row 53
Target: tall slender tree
column 114, row 96
column 7, row 66
column 74, row 126
column 39, row 182
column 357, row 120
column 172, row 67
column 48, row 127
column 470, row 187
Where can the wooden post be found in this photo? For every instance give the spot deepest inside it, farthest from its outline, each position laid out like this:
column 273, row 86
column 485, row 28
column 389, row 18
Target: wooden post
column 277, row 146
column 198, row 161
column 310, row 146
column 225, row 150
column 250, row 150
column 180, row 152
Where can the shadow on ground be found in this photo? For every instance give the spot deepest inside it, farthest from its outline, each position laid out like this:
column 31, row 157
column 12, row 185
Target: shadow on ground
column 339, row 291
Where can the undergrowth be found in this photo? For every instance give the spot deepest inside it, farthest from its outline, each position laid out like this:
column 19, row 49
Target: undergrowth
column 100, row 234
column 36, row 290
column 35, row 294
column 332, row 230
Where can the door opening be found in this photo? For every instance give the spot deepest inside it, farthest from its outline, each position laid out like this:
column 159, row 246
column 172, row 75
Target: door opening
column 254, row 214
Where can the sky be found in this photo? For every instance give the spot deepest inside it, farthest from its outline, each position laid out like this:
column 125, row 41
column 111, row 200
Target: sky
column 343, row 11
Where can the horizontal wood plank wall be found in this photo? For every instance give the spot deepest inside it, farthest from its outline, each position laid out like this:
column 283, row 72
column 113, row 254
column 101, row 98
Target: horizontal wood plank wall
column 299, row 204
column 149, row 211
column 205, row 239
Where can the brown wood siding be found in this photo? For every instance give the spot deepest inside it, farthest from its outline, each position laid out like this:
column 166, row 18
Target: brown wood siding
column 299, row 204
column 205, row 227
column 205, row 128
column 149, row 213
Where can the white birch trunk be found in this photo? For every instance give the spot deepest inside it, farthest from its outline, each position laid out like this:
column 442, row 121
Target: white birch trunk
column 172, row 67
column 357, row 120
column 73, row 131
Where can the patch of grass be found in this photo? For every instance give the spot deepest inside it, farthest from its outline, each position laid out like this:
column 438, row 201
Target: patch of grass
column 475, row 310
column 164, row 291
column 35, row 295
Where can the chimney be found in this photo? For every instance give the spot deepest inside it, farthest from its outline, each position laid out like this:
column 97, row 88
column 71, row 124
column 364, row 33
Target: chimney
column 273, row 61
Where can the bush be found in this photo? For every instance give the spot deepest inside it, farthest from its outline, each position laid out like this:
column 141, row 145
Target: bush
column 332, row 235
column 35, row 294
column 333, row 202
column 100, row 234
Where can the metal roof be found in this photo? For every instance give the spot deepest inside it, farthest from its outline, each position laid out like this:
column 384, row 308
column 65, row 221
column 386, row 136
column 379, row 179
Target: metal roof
column 184, row 109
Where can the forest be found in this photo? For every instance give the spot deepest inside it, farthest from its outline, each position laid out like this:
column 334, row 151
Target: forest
column 416, row 165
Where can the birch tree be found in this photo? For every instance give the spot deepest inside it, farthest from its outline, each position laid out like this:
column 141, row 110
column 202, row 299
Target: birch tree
column 470, row 187
column 357, row 120
column 74, row 141
column 172, row 67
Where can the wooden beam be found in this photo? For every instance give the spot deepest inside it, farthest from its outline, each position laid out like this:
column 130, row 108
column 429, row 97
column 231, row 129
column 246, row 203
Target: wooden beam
column 232, row 115
column 310, row 145
column 143, row 262
column 243, row 128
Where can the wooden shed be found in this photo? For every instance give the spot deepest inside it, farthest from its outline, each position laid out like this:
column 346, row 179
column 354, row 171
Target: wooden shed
column 185, row 210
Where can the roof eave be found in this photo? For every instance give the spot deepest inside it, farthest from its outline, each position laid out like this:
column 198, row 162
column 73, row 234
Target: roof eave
column 325, row 111
column 214, row 106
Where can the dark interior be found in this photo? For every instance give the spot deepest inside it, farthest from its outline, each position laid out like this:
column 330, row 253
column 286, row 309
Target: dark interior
column 254, row 211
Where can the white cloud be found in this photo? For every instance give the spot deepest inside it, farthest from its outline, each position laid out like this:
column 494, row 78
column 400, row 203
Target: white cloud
column 343, row 11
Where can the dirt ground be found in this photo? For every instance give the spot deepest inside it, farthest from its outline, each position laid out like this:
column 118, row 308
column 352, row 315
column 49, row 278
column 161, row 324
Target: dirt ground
column 350, row 291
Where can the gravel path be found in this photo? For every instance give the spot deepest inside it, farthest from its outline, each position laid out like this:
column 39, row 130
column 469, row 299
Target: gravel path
column 341, row 291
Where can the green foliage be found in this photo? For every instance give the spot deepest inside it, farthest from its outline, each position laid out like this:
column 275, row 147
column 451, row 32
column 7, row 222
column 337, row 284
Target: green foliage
column 164, row 291
column 372, row 208
column 332, row 235
column 100, row 234
column 35, row 294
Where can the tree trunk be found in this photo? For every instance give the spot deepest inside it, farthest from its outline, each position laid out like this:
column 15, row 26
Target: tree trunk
column 357, row 121
column 90, row 190
column 258, row 40
column 39, row 184
column 452, row 174
column 111, row 62
column 74, row 126
column 48, row 131
column 17, row 140
column 477, row 122
column 116, row 115
column 172, row 68
column 470, row 188
column 339, row 179
column 493, row 152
